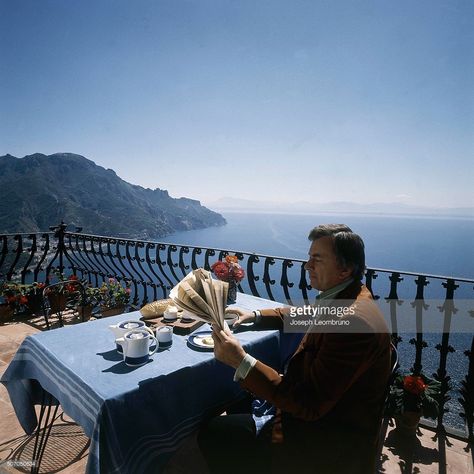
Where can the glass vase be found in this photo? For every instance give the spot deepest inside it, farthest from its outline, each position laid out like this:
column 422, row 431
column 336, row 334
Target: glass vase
column 232, row 293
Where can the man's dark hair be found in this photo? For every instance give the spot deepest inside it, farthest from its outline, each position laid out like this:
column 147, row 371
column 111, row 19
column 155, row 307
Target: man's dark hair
column 348, row 247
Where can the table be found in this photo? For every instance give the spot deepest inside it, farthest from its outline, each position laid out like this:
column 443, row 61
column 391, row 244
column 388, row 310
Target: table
column 135, row 416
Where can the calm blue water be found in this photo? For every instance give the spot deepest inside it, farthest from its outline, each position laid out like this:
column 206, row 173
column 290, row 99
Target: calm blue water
column 417, row 244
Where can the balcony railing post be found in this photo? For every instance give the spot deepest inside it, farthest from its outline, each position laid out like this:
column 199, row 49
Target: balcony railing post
column 393, row 301
column 467, row 394
column 419, row 305
column 59, row 232
column 445, row 348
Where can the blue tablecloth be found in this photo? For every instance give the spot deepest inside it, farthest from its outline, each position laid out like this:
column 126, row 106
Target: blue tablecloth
column 135, row 417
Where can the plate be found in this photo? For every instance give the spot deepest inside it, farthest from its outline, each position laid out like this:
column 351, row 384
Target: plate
column 199, row 340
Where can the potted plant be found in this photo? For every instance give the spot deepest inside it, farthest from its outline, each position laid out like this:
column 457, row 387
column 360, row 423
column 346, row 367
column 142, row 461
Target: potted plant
column 412, row 396
column 12, row 299
column 92, row 299
column 19, row 298
column 113, row 297
column 34, row 294
column 59, row 294
column 230, row 271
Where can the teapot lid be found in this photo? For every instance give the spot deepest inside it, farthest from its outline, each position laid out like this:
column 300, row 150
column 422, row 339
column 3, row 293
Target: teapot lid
column 137, row 334
column 131, row 324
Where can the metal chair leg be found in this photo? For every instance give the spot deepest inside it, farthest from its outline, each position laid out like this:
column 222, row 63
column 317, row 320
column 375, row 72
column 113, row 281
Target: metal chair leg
column 45, row 314
column 43, row 430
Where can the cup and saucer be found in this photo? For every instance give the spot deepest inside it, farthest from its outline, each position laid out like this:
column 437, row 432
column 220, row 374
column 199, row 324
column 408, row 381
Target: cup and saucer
column 170, row 314
column 164, row 336
column 187, row 317
column 230, row 319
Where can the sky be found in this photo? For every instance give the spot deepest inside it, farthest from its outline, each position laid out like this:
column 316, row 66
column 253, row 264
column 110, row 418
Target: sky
column 361, row 101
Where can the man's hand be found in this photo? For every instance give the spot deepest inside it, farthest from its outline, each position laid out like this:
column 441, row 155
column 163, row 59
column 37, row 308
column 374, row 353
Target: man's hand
column 227, row 348
column 243, row 316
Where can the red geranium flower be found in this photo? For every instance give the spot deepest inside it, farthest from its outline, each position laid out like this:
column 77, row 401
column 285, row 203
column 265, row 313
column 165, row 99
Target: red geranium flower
column 238, row 274
column 221, row 270
column 414, row 384
column 228, row 270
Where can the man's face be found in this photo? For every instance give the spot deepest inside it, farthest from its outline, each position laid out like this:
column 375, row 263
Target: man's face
column 322, row 267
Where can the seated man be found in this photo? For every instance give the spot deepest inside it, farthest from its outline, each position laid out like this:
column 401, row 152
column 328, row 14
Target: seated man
column 329, row 401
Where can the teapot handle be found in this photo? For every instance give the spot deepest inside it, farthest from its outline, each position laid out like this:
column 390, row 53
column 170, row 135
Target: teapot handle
column 121, row 342
column 153, row 338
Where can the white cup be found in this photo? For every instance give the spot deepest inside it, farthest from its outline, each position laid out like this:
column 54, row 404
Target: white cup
column 187, row 317
column 164, row 335
column 230, row 319
column 171, row 313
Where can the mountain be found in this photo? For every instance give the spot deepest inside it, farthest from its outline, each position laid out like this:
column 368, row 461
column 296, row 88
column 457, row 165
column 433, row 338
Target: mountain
column 38, row 191
column 303, row 207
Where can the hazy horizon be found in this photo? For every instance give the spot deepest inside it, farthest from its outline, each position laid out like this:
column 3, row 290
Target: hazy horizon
column 238, row 204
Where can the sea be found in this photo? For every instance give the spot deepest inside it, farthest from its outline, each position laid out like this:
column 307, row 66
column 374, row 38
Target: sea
column 420, row 244
column 437, row 246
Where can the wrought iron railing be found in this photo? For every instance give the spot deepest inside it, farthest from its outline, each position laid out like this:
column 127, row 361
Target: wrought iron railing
column 153, row 268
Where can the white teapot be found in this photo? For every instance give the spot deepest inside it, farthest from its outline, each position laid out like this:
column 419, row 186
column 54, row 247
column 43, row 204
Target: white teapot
column 136, row 346
column 120, row 329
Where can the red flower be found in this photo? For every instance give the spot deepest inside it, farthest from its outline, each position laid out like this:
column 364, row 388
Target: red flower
column 73, row 278
column 228, row 270
column 221, row 270
column 238, row 274
column 414, row 384
column 23, row 299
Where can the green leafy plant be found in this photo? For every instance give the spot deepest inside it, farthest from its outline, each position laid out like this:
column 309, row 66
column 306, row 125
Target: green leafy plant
column 111, row 293
column 21, row 297
column 69, row 289
column 414, row 393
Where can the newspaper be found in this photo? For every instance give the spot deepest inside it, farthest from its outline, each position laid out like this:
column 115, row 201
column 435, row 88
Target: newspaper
column 200, row 294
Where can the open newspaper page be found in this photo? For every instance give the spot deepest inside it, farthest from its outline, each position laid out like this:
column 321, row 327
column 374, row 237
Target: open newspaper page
column 208, row 286
column 200, row 294
column 179, row 295
column 194, row 301
column 220, row 289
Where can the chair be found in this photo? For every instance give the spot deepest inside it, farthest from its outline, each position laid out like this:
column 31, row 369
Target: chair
column 58, row 307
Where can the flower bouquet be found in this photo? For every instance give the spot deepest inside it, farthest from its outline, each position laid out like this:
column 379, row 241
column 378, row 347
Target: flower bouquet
column 230, row 271
column 412, row 396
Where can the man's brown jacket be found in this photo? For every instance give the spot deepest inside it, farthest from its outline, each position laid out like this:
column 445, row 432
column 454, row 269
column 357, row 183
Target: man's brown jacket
column 333, row 379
